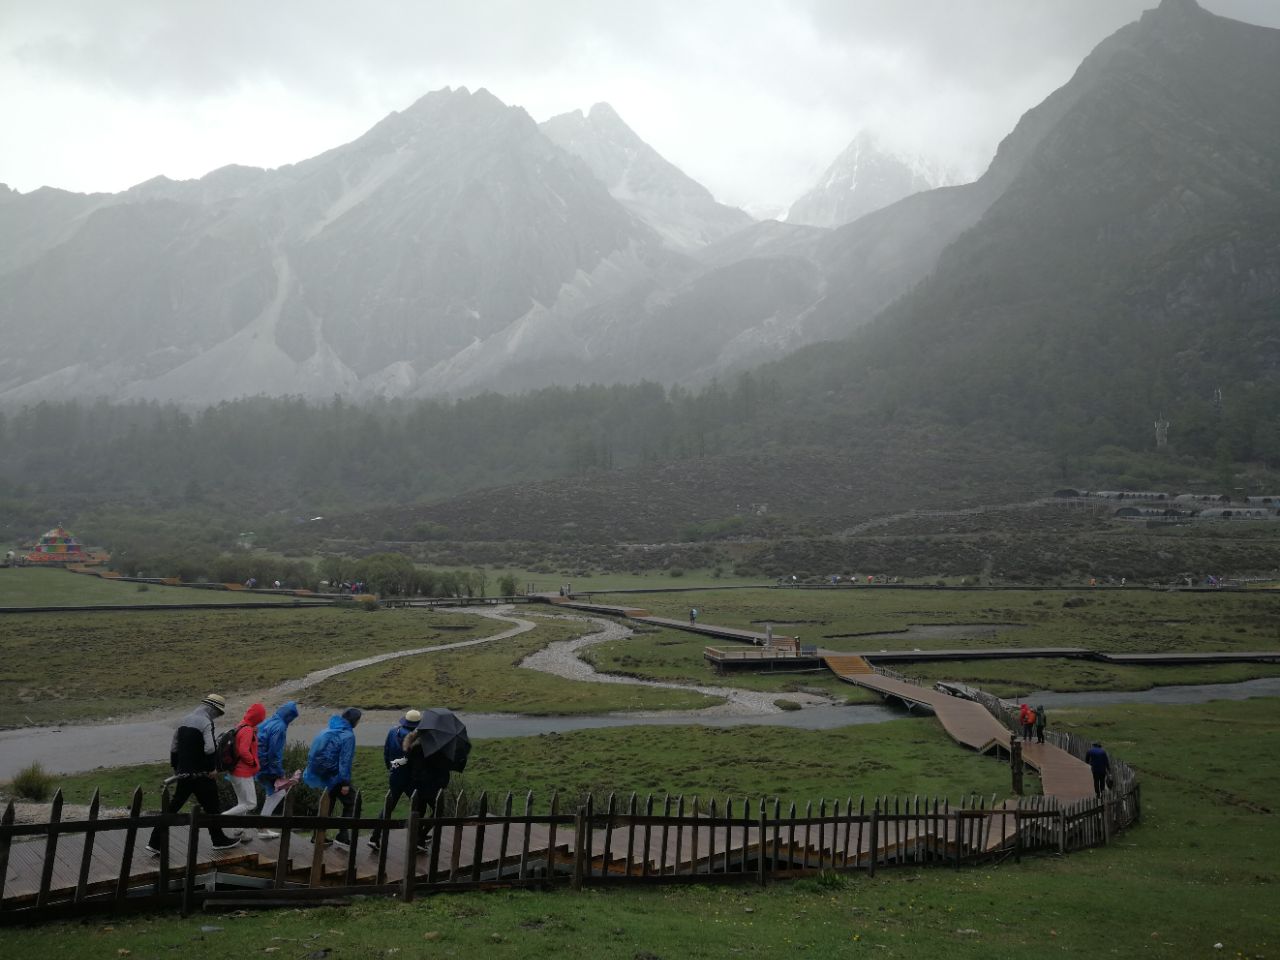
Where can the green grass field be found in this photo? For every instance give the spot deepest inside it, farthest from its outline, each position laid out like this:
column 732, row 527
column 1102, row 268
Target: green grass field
column 55, row 587
column 487, row 679
column 1112, row 620
column 1201, row 868
column 56, row 667
column 900, row 757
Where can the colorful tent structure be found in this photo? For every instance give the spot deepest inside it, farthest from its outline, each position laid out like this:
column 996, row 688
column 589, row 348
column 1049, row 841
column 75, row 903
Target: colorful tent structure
column 59, row 546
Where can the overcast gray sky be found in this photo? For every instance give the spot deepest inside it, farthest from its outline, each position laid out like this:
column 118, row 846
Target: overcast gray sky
column 752, row 99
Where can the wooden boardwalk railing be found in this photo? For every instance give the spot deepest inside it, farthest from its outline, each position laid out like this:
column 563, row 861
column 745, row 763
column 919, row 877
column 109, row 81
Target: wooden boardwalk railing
column 67, row 868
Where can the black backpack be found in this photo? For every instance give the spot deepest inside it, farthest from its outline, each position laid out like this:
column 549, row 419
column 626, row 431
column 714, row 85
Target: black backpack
column 226, row 753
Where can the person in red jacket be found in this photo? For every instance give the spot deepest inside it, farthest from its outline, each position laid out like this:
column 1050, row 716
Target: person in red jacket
column 246, row 765
column 1026, row 717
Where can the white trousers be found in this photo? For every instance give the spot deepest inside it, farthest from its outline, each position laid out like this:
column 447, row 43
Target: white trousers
column 274, row 800
column 246, row 795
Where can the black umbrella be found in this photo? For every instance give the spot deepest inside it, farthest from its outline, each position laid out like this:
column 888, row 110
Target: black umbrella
column 440, row 731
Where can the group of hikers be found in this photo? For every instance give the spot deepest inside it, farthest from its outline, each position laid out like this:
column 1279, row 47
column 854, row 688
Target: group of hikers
column 1032, row 720
column 1036, row 719
column 252, row 755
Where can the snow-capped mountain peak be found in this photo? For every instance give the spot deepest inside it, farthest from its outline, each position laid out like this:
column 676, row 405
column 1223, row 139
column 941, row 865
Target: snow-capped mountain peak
column 681, row 210
column 865, row 177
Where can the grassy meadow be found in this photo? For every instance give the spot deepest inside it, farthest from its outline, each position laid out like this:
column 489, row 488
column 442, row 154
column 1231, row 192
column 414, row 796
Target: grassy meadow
column 56, row 667
column 487, row 679
column 1136, row 620
column 1200, row 870
column 56, row 587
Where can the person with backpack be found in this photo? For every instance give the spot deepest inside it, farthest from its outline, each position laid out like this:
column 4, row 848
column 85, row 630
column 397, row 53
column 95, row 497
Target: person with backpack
column 239, row 758
column 193, row 755
column 1026, row 717
column 693, row 615
column 329, row 764
column 272, row 734
column 397, row 773
column 1042, row 721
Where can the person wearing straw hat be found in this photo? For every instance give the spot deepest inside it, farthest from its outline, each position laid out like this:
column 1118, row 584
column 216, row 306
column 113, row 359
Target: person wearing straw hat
column 393, row 750
column 193, row 755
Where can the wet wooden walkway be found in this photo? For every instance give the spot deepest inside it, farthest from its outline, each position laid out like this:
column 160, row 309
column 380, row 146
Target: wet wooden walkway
column 1062, row 776
column 616, row 844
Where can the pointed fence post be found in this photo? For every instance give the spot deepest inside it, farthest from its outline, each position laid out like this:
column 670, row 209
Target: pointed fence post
column 409, row 880
column 86, row 855
column 286, row 839
column 579, row 844
column 551, row 834
column 477, row 852
column 162, row 877
column 50, row 851
column 875, row 837
column 317, row 854
column 353, row 834
column 193, row 853
column 126, row 856
column 760, row 845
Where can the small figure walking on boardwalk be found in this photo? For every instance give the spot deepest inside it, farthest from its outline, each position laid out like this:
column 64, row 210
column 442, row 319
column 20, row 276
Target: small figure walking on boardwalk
column 1041, row 721
column 693, row 615
column 1100, row 765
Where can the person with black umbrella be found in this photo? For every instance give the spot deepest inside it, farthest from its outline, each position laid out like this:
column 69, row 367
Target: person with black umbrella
column 437, row 748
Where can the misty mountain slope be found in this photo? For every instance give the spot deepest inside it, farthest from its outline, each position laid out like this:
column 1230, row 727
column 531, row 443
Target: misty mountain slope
column 1130, row 268
column 33, row 223
column 350, row 272
column 682, row 210
column 878, row 258
column 865, row 178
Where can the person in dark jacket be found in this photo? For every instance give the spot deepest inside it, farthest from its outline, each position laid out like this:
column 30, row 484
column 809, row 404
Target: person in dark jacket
column 193, row 757
column 272, row 734
column 329, row 763
column 428, row 775
column 1042, row 720
column 1100, row 765
column 397, row 773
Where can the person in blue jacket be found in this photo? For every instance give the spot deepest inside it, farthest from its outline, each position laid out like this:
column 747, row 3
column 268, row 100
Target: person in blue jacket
column 398, row 774
column 329, row 764
column 1100, row 765
column 272, row 734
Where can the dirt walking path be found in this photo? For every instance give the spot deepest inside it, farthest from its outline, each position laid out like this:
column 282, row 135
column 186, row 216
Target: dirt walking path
column 144, row 738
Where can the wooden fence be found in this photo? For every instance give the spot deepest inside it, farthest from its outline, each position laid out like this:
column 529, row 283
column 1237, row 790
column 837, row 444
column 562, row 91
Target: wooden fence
column 66, row 868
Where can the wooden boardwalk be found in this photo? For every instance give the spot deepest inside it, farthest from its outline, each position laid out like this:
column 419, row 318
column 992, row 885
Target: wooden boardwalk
column 1062, row 776
column 611, row 844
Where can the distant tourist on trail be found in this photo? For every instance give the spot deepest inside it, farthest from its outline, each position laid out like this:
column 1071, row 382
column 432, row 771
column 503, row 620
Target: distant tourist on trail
column 693, row 615
column 193, row 755
column 329, row 763
column 397, row 773
column 1100, row 765
column 1042, row 720
column 1026, row 717
column 244, row 760
column 272, row 734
